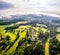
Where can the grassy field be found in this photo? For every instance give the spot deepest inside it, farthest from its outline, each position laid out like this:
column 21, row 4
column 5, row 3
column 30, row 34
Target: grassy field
column 58, row 37
column 21, row 31
column 13, row 48
column 12, row 36
column 58, row 29
column 21, row 28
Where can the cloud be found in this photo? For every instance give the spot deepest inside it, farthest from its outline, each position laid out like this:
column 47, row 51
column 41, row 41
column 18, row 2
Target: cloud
column 24, row 6
column 54, row 3
column 5, row 5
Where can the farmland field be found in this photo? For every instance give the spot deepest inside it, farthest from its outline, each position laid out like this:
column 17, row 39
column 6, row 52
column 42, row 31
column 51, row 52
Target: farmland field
column 15, row 38
column 12, row 37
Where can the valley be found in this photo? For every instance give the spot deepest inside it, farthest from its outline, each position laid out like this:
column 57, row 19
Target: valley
column 31, row 36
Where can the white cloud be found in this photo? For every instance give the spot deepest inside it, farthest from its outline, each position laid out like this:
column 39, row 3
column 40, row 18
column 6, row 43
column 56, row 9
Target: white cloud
column 32, row 6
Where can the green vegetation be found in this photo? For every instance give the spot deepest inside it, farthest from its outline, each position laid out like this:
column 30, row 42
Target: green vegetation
column 29, row 39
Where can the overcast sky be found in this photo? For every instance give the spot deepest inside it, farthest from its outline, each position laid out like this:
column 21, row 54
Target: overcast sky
column 29, row 6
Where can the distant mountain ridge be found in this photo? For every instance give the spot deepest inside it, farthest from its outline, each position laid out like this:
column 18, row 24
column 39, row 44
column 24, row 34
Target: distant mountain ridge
column 37, row 18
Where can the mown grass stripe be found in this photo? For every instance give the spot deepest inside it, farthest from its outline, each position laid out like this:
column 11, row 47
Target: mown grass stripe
column 13, row 48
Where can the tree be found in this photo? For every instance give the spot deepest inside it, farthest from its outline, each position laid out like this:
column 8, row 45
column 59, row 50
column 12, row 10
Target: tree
column 39, row 49
column 28, row 50
column 54, row 47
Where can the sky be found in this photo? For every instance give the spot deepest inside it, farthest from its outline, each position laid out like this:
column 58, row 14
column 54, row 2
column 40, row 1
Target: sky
column 9, row 7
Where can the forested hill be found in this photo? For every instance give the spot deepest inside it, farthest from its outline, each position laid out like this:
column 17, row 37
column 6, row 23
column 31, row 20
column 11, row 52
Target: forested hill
column 29, row 18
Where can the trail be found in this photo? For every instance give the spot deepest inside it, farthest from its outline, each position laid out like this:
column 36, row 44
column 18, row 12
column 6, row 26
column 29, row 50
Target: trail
column 47, row 47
